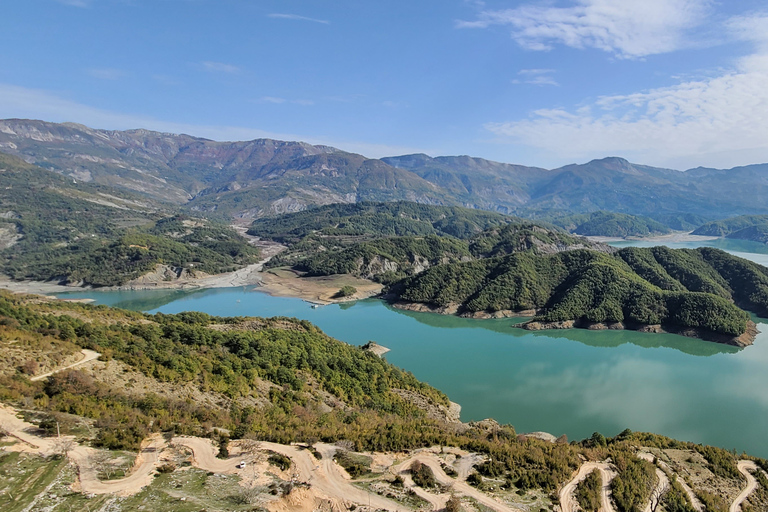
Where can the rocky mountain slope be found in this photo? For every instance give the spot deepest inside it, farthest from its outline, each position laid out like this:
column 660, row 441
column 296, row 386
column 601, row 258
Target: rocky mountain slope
column 261, row 177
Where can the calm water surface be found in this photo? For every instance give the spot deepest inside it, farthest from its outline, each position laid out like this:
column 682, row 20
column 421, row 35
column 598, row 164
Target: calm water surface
column 570, row 382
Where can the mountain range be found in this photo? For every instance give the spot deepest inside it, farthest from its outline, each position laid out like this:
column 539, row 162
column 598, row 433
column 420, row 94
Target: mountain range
column 255, row 178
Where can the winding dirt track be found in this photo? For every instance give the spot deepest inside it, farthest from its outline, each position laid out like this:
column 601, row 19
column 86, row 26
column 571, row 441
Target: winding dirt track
column 662, row 483
column 568, row 501
column 745, row 466
column 88, row 355
column 327, row 477
column 458, row 485
column 141, row 475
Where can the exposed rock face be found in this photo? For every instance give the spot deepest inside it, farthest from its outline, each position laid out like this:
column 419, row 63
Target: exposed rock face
column 164, row 273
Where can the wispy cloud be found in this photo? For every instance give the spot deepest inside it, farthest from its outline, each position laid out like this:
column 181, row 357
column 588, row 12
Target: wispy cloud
column 297, row 18
column 627, row 29
column 276, row 100
column 107, row 73
column 219, row 67
column 536, row 77
column 74, row 3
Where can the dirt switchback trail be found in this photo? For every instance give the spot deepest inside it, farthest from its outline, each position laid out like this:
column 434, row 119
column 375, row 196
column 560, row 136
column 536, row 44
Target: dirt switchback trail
column 88, row 355
column 567, row 493
column 327, row 477
column 458, row 485
column 745, row 466
column 661, row 486
column 141, row 475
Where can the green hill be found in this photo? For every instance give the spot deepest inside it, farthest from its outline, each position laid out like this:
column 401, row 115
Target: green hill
column 609, row 224
column 54, row 228
column 745, row 227
column 377, row 219
column 682, row 288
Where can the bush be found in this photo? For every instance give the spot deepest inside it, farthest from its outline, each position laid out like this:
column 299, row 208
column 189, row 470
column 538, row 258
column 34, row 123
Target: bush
column 345, row 291
column 422, row 475
column 279, row 460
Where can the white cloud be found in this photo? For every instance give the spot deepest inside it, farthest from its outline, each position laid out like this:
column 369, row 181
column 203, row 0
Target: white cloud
column 271, row 99
column 628, row 29
column 536, row 77
column 219, row 67
column 107, row 73
column 722, row 119
column 276, row 100
column 297, row 18
column 22, row 102
column 74, row 3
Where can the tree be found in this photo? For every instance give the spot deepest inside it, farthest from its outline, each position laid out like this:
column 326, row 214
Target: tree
column 103, row 463
column 422, row 475
column 249, row 446
column 453, row 504
column 64, row 445
column 598, row 439
column 345, row 291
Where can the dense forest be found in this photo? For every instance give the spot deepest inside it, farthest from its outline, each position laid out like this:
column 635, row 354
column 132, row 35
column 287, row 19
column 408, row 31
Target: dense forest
column 276, row 378
column 609, row 224
column 745, row 227
column 698, row 288
column 364, row 245
column 83, row 233
column 377, row 219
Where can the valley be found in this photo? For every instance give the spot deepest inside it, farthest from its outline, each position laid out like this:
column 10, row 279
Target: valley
column 179, row 348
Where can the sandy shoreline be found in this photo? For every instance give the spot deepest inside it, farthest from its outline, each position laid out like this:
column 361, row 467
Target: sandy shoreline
column 670, row 238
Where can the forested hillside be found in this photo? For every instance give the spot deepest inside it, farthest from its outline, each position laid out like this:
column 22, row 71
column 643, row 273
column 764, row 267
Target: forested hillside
column 279, row 380
column 54, row 228
column 609, row 224
column 745, row 227
column 679, row 287
column 377, row 219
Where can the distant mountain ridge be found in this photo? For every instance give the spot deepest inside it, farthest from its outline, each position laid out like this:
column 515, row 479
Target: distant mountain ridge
column 251, row 179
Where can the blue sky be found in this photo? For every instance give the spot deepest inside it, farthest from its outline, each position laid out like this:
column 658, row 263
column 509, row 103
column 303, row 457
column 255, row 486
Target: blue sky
column 674, row 83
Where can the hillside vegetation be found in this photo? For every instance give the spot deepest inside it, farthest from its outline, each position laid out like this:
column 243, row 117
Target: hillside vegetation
column 276, row 379
column 377, row 219
column 609, row 224
column 57, row 229
column 386, row 242
column 677, row 287
column 745, row 227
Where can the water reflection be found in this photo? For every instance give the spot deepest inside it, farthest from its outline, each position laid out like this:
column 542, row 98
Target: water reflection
column 606, row 339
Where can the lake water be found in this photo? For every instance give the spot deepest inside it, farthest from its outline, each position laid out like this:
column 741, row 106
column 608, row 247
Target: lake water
column 571, row 382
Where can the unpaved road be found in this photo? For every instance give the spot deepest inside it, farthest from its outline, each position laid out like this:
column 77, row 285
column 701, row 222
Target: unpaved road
column 88, row 355
column 567, row 497
column 326, row 476
column 142, row 473
column 745, row 466
column 662, row 483
column 458, row 485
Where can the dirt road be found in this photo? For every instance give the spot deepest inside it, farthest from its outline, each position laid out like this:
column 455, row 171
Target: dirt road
column 327, row 477
column 459, row 485
column 142, row 473
column 568, row 501
column 88, row 355
column 745, row 466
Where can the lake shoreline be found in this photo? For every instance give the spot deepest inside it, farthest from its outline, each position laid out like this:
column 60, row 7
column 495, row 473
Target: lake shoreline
column 744, row 340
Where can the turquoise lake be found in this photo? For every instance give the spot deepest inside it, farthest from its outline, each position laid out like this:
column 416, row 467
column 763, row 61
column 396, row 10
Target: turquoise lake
column 571, row 382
